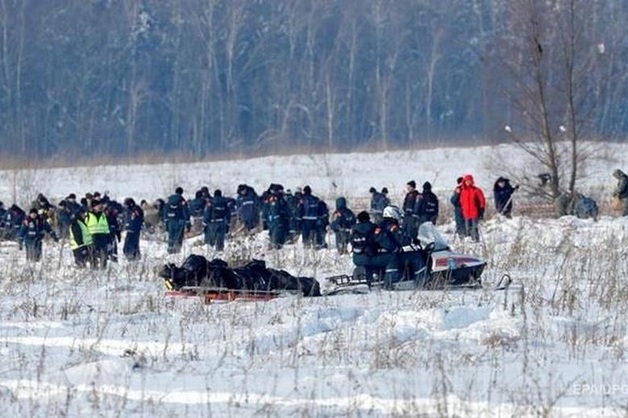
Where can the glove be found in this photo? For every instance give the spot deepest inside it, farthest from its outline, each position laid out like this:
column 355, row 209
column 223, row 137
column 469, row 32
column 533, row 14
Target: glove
column 55, row 238
column 481, row 217
column 20, row 246
column 188, row 227
column 118, row 236
column 517, row 187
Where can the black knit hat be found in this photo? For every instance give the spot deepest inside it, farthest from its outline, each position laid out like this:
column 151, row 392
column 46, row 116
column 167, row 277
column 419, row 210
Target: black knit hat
column 364, row 217
column 412, row 184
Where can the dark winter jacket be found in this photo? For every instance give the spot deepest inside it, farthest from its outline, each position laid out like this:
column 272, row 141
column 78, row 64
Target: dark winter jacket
column 621, row 191
column 390, row 237
column 427, row 206
column 363, row 239
column 34, row 228
column 343, row 218
column 134, row 219
column 176, row 209
column 409, row 202
column 197, row 205
column 502, row 196
column 248, row 206
column 309, row 208
column 277, row 210
column 216, row 210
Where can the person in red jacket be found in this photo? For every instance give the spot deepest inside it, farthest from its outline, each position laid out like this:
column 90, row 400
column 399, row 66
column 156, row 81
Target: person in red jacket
column 473, row 204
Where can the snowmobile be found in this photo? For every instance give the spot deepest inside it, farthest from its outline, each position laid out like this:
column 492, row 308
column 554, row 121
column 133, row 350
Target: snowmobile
column 444, row 268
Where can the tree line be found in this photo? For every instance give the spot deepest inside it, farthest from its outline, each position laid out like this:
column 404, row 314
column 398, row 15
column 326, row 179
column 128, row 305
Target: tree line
column 198, row 77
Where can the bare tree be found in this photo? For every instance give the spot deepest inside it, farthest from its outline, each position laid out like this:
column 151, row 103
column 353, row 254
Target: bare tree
column 547, row 52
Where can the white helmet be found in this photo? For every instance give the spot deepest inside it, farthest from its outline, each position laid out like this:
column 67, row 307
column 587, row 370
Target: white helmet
column 392, row 212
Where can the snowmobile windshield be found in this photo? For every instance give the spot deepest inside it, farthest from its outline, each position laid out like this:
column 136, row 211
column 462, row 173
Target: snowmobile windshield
column 428, row 234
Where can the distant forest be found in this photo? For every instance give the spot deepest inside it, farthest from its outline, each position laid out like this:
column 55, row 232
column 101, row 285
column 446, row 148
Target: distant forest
column 127, row 78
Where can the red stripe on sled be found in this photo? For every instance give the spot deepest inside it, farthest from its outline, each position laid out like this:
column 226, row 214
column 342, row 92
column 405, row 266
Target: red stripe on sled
column 238, row 295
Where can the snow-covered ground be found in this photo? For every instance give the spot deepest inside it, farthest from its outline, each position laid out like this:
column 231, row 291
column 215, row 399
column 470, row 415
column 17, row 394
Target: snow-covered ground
column 77, row 343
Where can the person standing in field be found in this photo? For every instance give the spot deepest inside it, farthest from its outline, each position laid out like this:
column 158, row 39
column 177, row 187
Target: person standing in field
column 621, row 191
column 473, row 204
column 32, row 234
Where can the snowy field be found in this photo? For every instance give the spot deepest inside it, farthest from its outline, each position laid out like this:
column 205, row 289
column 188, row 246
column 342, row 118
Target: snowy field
column 111, row 344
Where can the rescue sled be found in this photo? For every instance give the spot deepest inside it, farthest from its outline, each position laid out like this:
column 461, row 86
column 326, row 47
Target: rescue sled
column 444, row 268
column 222, row 294
column 215, row 281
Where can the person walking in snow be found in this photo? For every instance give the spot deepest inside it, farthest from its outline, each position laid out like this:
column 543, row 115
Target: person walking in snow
column 621, row 191
column 98, row 227
column 309, row 215
column 410, row 220
column 461, row 229
column 427, row 205
column 216, row 216
column 32, row 234
column 177, row 220
column 473, row 204
column 248, row 208
column 81, row 242
column 363, row 245
column 502, row 192
column 134, row 221
column 342, row 220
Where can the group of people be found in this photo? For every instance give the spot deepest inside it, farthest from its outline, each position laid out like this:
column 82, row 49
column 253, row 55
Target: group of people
column 94, row 224
column 377, row 248
column 284, row 214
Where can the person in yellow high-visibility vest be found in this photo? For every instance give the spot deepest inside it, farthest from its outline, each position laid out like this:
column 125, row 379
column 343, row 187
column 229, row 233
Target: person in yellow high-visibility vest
column 81, row 241
column 98, row 227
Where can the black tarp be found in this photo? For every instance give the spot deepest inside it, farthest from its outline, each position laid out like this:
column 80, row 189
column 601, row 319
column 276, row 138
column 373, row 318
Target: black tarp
column 197, row 271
